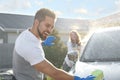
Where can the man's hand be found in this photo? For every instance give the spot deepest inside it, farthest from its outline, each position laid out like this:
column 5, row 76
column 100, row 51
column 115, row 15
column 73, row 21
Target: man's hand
column 49, row 41
column 90, row 77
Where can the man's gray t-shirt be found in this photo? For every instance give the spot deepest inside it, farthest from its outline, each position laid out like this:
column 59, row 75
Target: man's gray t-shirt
column 27, row 52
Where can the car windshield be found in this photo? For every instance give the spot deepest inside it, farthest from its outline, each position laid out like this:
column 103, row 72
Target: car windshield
column 103, row 46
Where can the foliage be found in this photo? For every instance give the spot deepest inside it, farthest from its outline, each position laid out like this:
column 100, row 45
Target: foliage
column 56, row 53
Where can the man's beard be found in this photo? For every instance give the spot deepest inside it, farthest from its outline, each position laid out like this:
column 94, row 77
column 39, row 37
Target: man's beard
column 40, row 35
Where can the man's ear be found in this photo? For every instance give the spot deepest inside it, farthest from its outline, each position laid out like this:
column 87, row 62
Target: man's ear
column 36, row 22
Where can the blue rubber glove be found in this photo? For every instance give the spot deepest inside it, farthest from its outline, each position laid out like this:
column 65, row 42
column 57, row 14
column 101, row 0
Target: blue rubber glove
column 49, row 41
column 90, row 77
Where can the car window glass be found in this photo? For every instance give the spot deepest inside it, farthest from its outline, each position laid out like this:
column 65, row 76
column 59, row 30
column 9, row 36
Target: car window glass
column 103, row 47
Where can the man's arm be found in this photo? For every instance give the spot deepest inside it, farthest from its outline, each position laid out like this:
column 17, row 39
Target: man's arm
column 47, row 68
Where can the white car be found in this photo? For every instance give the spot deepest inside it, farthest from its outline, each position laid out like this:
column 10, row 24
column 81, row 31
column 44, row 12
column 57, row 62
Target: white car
column 102, row 51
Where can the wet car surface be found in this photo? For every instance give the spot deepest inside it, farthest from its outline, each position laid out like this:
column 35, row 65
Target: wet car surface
column 102, row 51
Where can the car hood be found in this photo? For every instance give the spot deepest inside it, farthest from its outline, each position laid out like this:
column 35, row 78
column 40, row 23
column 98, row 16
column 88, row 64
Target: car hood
column 111, row 70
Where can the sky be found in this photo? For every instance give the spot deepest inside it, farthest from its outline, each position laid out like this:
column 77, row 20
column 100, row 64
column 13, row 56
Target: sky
column 75, row 9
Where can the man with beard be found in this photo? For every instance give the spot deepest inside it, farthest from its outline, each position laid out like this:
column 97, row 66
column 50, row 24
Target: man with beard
column 29, row 62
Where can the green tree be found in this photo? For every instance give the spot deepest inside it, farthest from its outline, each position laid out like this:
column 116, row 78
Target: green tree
column 56, row 53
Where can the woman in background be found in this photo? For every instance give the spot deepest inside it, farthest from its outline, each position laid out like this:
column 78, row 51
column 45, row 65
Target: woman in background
column 73, row 45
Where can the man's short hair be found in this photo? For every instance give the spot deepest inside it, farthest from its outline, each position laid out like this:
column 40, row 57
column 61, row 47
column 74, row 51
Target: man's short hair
column 42, row 13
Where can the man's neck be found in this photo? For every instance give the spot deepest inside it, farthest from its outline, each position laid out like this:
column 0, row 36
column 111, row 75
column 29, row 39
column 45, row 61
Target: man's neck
column 34, row 32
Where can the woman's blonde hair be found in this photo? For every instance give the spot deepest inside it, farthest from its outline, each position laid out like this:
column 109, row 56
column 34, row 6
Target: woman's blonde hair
column 78, row 41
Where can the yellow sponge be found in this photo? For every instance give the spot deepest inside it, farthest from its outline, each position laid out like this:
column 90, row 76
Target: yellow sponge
column 98, row 74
